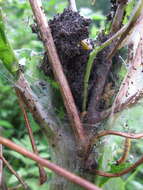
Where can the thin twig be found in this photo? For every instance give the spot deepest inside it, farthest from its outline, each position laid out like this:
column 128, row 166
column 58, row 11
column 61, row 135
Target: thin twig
column 15, row 173
column 132, row 100
column 27, row 124
column 43, row 175
column 106, row 174
column 118, row 18
column 126, row 135
column 57, row 70
column 127, row 147
column 72, row 5
column 55, row 168
column 117, row 133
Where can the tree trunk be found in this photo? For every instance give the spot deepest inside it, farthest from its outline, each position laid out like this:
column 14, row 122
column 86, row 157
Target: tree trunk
column 65, row 154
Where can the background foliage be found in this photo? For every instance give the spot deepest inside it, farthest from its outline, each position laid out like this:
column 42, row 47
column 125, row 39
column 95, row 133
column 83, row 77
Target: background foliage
column 18, row 17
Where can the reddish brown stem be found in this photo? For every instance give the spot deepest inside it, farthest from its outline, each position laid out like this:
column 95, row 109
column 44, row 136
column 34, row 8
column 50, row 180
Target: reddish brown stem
column 55, row 168
column 127, row 146
column 57, row 69
column 27, row 123
column 43, row 175
column 126, row 135
column 117, row 133
column 106, row 174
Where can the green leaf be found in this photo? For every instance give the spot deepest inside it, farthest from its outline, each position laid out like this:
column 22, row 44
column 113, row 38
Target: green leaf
column 6, row 53
column 128, row 10
column 100, row 181
column 98, row 17
column 25, row 160
column 135, row 185
column 114, row 184
column 119, row 168
column 5, row 124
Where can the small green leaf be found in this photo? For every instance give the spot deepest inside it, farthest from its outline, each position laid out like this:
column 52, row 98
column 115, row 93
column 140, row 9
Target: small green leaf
column 98, row 17
column 5, row 124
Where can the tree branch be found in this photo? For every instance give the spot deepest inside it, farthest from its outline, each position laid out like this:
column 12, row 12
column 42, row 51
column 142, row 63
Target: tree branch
column 43, row 175
column 117, row 133
column 118, row 18
column 33, row 104
column 55, row 168
column 72, row 5
column 15, row 173
column 57, row 70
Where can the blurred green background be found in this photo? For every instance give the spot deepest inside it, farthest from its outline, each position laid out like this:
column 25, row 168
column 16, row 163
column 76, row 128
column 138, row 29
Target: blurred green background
column 18, row 18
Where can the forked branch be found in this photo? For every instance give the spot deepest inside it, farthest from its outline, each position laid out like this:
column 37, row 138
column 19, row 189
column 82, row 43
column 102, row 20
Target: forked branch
column 55, row 168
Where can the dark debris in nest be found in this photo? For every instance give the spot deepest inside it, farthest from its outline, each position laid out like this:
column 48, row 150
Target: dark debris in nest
column 68, row 30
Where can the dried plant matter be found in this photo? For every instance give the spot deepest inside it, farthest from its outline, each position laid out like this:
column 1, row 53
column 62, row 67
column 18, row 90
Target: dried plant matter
column 68, row 30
